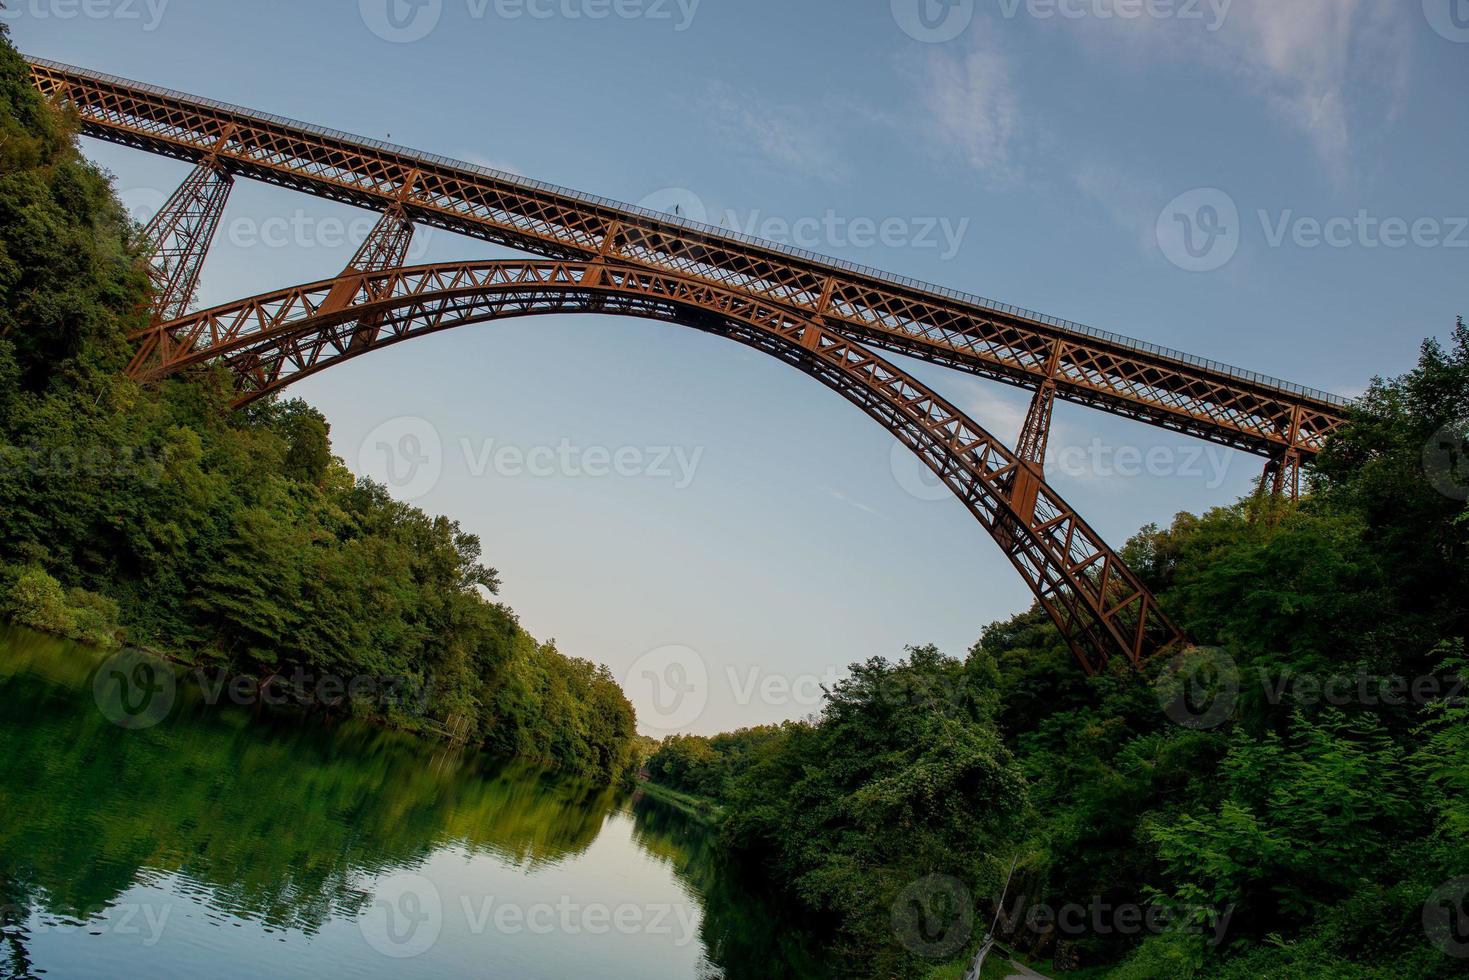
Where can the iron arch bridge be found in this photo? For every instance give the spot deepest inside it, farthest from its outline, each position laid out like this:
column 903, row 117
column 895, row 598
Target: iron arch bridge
column 825, row 317
column 271, row 341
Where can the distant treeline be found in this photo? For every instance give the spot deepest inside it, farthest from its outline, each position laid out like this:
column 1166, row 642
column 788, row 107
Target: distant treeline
column 161, row 517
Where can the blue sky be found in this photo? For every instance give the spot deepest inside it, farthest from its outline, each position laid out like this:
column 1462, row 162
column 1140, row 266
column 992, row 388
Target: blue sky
column 1275, row 185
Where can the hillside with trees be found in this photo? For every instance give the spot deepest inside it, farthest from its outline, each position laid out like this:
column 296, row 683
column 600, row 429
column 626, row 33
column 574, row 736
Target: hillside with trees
column 161, row 518
column 1290, row 799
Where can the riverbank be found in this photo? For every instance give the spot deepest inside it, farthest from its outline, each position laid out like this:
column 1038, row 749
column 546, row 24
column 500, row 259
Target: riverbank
column 705, row 810
column 298, row 691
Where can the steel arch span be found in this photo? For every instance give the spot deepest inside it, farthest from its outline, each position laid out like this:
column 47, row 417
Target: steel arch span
column 271, row 341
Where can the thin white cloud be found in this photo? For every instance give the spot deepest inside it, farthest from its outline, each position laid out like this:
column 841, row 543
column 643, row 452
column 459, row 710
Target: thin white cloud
column 972, row 110
column 783, row 135
column 1002, row 409
column 1328, row 68
column 1130, row 201
column 1302, row 55
column 840, row 497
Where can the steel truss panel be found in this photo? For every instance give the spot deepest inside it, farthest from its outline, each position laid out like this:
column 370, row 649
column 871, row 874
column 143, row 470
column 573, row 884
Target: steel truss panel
column 1115, row 374
column 179, row 237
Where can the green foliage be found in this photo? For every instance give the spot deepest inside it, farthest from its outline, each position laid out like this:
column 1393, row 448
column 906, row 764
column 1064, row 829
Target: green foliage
column 903, row 776
column 231, row 536
column 1298, row 837
column 70, row 285
column 35, row 599
column 1441, row 759
column 1298, row 820
column 706, row 767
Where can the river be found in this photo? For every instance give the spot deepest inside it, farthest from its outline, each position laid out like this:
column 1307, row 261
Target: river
column 231, row 841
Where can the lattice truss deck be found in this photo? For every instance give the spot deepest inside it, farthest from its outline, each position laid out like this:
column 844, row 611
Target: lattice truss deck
column 1166, row 388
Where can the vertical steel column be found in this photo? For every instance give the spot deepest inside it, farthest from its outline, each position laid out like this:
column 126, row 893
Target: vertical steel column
column 1283, row 475
column 363, row 281
column 1034, row 438
column 179, row 237
column 1036, row 435
column 386, row 246
column 384, row 250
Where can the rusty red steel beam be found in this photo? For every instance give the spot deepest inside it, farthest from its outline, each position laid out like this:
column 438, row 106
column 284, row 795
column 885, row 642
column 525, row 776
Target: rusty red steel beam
column 1126, row 377
column 271, row 341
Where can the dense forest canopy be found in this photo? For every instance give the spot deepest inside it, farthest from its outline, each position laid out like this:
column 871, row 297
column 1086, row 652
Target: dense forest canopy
column 1289, row 800
column 236, row 539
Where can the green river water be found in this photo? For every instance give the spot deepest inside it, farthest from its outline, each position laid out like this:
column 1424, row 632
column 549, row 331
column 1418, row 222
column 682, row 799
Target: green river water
column 236, row 841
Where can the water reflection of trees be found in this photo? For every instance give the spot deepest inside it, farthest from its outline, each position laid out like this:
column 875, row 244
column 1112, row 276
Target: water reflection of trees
column 743, row 932
column 285, row 820
column 271, row 817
